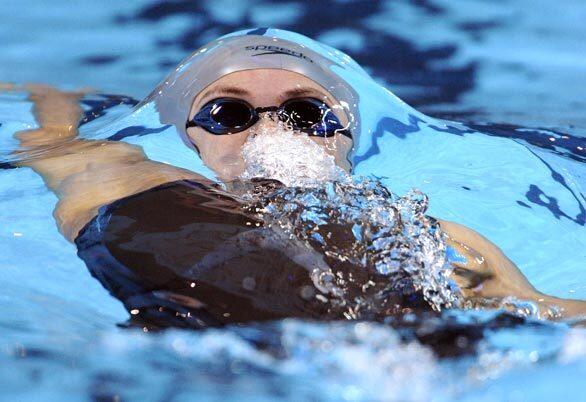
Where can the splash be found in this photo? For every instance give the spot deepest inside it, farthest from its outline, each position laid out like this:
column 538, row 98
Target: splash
column 380, row 249
column 315, row 361
column 516, row 306
column 275, row 151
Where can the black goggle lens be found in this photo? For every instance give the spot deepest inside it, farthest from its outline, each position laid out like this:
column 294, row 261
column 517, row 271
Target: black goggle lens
column 231, row 114
column 304, row 113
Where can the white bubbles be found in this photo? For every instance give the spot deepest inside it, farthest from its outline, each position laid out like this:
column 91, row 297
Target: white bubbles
column 318, row 361
column 340, row 354
column 274, row 151
column 378, row 247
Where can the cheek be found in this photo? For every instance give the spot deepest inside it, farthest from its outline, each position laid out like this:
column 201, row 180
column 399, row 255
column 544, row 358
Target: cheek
column 221, row 153
column 217, row 146
column 328, row 144
column 344, row 145
column 339, row 147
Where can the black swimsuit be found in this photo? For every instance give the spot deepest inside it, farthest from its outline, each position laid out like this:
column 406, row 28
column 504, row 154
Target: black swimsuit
column 185, row 254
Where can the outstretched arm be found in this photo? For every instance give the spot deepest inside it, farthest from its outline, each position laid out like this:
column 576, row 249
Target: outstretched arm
column 84, row 174
column 488, row 274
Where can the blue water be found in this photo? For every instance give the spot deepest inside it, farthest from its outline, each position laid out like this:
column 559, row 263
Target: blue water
column 520, row 182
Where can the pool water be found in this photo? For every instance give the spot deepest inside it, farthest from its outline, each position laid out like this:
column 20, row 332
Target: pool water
column 513, row 169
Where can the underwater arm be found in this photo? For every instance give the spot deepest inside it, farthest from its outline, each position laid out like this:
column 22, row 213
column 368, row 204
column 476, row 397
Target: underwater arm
column 84, row 174
column 489, row 274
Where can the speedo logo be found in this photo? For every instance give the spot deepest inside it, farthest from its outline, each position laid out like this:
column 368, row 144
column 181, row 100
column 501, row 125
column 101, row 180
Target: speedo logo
column 270, row 49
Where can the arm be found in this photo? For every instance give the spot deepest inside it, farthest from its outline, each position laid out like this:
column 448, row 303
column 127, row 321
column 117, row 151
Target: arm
column 489, row 274
column 84, row 174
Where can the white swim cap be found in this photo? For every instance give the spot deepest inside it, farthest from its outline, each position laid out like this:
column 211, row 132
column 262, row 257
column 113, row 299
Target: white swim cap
column 253, row 49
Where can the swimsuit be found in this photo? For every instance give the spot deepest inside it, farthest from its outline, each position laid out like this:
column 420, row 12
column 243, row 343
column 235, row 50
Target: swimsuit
column 187, row 255
column 174, row 256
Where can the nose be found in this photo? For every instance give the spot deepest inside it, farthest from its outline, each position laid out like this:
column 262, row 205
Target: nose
column 267, row 119
column 266, row 109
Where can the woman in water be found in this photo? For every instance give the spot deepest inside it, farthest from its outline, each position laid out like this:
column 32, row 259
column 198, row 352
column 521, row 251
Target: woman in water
column 178, row 249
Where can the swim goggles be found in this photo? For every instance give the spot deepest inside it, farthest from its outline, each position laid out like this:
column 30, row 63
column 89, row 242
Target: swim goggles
column 230, row 115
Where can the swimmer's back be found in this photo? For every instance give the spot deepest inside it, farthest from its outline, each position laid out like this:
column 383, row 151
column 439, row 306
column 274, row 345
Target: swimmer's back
column 187, row 254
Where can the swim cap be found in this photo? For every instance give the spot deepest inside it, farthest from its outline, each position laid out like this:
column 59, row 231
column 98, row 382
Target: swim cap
column 248, row 50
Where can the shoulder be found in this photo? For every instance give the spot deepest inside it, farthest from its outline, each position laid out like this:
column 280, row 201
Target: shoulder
column 82, row 194
column 485, row 271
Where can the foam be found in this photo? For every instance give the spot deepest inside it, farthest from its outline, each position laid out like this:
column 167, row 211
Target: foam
column 274, row 151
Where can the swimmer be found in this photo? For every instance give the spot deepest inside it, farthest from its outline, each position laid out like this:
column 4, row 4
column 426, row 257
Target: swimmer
column 155, row 234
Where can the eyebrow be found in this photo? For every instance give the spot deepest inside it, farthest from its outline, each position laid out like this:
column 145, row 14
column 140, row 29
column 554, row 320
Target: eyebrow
column 300, row 92
column 226, row 91
column 231, row 90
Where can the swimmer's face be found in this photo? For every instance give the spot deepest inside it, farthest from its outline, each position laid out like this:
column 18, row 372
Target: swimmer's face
column 260, row 88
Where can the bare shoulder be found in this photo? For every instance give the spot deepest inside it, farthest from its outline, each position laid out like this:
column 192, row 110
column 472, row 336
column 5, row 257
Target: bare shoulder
column 462, row 234
column 485, row 271
column 111, row 171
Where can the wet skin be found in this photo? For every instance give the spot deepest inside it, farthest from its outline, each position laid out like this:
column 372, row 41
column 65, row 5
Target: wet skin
column 87, row 174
